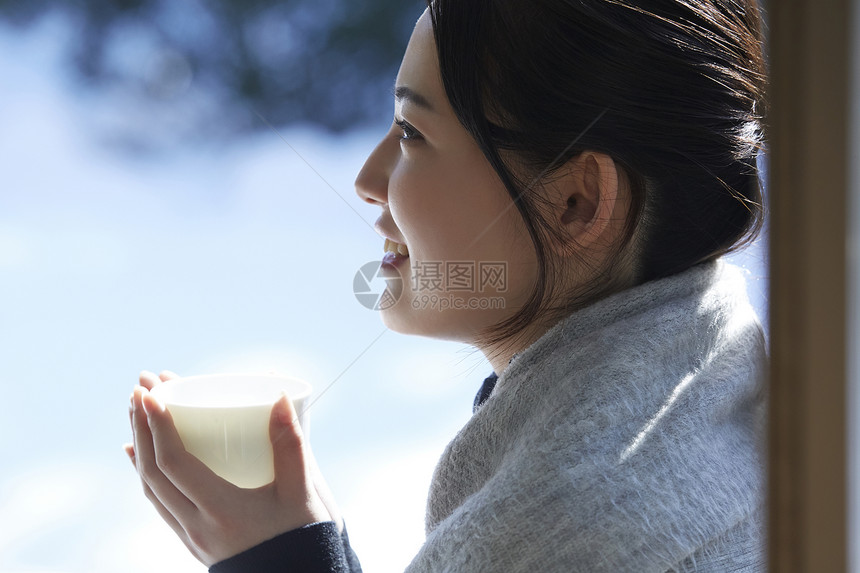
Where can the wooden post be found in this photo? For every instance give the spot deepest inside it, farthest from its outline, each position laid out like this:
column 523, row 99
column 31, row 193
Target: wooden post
column 810, row 55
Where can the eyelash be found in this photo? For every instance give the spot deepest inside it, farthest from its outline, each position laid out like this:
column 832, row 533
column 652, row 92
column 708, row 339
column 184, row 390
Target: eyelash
column 409, row 132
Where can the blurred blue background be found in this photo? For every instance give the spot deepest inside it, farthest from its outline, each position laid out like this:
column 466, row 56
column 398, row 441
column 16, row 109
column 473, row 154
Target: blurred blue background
column 133, row 238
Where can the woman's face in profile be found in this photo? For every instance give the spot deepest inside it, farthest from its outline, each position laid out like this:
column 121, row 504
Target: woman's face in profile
column 467, row 244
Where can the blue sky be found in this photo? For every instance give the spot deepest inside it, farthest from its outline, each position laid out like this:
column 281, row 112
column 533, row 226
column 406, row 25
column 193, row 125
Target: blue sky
column 231, row 258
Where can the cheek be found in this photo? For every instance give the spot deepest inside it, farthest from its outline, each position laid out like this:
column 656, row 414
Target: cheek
column 442, row 207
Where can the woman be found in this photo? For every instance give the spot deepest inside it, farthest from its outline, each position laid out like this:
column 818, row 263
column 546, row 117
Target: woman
column 599, row 158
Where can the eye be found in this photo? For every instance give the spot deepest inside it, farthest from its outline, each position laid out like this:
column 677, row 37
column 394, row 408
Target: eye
column 409, row 132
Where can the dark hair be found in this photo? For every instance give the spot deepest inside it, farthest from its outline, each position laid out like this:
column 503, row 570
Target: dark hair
column 672, row 90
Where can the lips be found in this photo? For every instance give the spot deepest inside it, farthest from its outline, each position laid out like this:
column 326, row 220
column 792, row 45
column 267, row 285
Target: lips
column 396, row 255
column 386, row 228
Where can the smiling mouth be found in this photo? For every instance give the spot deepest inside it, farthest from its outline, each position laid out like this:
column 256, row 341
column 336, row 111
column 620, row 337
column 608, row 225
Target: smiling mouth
column 396, row 248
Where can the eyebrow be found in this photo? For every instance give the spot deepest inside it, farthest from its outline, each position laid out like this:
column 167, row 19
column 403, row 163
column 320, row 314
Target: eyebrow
column 404, row 93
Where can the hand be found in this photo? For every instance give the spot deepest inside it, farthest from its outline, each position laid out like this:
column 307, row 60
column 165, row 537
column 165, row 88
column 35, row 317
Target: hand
column 214, row 518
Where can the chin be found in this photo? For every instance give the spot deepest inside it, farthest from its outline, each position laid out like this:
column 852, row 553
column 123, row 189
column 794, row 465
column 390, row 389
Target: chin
column 400, row 318
column 445, row 325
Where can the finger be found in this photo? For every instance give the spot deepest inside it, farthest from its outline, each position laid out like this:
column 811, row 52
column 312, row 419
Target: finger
column 159, row 507
column 165, row 514
column 152, row 478
column 148, row 379
column 166, row 375
column 129, row 451
column 188, row 474
column 288, row 448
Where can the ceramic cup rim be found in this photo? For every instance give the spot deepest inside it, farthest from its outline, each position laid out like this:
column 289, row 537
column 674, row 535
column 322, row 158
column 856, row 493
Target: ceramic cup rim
column 162, row 393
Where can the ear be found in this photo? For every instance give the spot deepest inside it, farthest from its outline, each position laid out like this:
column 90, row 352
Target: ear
column 585, row 197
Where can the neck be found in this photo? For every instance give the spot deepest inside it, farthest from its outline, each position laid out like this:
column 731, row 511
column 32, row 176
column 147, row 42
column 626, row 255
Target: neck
column 498, row 362
column 500, row 353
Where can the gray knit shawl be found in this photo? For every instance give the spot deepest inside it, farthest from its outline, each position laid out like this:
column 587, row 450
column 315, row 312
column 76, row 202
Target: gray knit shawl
column 630, row 437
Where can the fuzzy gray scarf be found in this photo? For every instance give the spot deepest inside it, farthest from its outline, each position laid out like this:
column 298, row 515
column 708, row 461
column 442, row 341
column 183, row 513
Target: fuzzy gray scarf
column 629, row 438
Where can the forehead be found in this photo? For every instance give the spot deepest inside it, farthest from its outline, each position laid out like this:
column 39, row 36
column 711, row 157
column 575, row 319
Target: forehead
column 419, row 69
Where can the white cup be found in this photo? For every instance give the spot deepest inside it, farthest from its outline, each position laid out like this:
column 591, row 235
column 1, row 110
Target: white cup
column 223, row 420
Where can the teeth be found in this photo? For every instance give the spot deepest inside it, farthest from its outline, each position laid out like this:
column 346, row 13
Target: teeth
column 392, row 247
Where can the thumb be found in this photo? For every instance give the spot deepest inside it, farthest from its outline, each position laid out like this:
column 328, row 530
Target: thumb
column 288, row 445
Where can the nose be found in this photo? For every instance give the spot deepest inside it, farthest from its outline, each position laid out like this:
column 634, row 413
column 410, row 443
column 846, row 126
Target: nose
column 371, row 184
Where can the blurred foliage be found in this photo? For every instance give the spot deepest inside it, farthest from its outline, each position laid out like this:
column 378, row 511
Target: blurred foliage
column 327, row 62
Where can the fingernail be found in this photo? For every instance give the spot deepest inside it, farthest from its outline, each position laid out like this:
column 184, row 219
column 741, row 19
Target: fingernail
column 147, row 407
column 162, row 407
